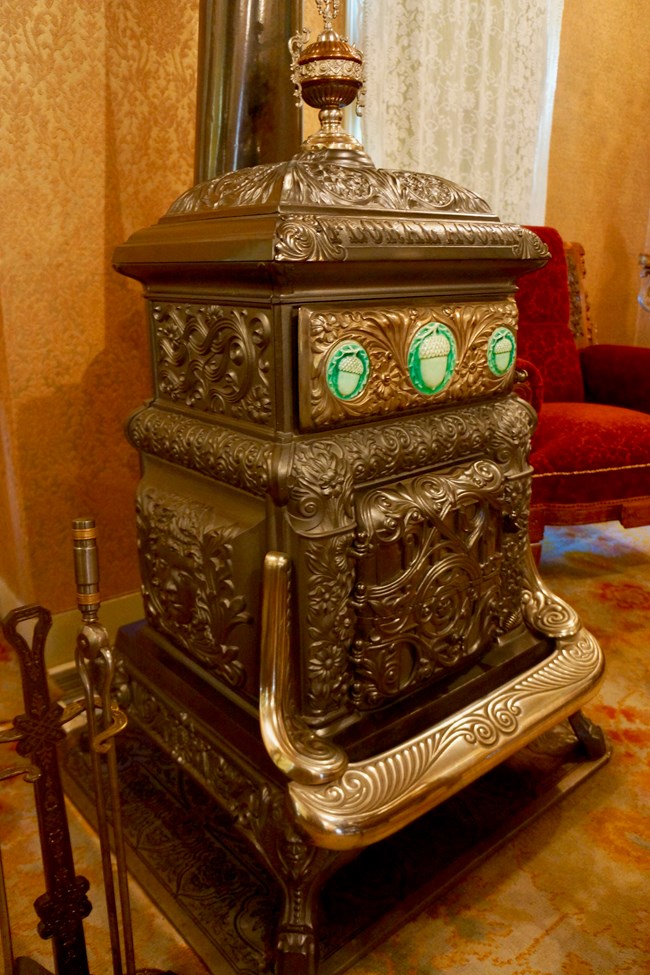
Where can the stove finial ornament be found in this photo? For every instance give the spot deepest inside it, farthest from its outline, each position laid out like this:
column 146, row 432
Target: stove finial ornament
column 328, row 75
column 329, row 11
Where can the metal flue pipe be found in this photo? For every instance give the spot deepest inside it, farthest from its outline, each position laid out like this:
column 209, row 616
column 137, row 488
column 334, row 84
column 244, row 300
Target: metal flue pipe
column 246, row 113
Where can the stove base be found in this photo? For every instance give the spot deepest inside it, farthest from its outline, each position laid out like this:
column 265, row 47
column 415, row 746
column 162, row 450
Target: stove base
column 211, row 886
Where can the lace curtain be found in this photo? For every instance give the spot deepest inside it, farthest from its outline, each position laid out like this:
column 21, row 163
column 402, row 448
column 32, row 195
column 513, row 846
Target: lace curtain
column 463, row 89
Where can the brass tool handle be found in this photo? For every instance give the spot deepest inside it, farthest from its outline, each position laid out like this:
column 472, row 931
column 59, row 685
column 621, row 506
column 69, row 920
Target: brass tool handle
column 86, row 564
column 96, row 667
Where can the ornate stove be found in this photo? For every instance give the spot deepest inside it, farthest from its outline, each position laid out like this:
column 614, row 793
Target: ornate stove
column 344, row 625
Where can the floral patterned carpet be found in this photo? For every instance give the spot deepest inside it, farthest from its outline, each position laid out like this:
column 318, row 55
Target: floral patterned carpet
column 569, row 895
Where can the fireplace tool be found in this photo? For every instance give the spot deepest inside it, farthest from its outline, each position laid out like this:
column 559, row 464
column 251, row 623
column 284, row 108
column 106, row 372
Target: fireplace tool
column 63, row 906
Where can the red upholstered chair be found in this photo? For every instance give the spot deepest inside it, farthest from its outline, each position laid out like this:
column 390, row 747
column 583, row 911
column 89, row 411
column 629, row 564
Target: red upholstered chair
column 591, row 448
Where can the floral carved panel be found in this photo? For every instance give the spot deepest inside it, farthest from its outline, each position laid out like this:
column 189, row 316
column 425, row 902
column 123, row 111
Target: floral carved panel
column 214, row 358
column 320, row 513
column 429, row 576
column 189, row 594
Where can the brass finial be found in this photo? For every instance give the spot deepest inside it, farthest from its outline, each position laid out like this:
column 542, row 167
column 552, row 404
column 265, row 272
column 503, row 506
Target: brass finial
column 328, row 75
column 329, row 11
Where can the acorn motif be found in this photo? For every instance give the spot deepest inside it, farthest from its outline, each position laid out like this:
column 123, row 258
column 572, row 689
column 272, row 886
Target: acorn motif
column 501, row 351
column 347, row 370
column 350, row 372
column 431, row 358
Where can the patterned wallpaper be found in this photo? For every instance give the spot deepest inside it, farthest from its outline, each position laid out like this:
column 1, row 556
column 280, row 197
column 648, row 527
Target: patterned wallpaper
column 97, row 118
column 599, row 162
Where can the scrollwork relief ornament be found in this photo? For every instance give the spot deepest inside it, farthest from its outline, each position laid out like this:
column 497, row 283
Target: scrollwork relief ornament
column 428, row 578
column 315, row 182
column 320, row 485
column 330, row 621
column 186, row 564
column 331, row 238
column 251, row 186
column 214, row 358
column 514, row 541
column 499, row 430
column 308, row 238
column 246, row 797
column 368, row 793
column 312, row 181
column 543, row 611
column 301, row 866
column 259, row 809
column 320, row 511
column 510, row 435
column 225, row 455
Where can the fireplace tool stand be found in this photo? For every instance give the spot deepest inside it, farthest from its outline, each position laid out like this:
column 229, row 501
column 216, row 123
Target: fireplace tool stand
column 38, row 732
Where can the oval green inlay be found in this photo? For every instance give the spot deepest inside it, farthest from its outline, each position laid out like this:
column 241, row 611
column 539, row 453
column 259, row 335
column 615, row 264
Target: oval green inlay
column 348, row 368
column 501, row 350
column 432, row 358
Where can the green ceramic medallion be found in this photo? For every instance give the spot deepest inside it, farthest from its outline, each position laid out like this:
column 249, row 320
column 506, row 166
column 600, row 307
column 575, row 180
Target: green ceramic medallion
column 348, row 368
column 432, row 358
column 501, row 350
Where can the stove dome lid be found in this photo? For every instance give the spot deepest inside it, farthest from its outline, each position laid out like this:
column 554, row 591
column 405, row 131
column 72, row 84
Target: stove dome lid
column 316, row 181
column 329, row 202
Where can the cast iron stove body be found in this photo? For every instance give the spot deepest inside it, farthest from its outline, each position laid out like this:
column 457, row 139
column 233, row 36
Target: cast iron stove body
column 344, row 625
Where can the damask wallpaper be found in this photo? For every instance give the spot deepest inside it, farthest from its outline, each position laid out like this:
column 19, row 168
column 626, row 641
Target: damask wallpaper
column 97, row 127
column 599, row 161
column 97, row 105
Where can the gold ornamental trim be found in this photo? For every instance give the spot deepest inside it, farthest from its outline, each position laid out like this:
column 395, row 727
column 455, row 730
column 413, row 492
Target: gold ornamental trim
column 334, row 67
column 375, row 798
column 88, row 599
column 594, row 470
column 378, row 344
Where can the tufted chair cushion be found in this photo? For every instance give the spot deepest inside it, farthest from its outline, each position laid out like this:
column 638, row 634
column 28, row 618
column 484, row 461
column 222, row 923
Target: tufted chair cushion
column 543, row 297
column 553, row 352
column 591, row 448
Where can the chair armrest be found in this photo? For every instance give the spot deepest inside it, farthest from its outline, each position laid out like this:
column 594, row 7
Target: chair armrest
column 617, row 375
column 529, row 384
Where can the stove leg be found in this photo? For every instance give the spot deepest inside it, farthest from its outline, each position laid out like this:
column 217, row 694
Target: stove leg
column 301, row 869
column 591, row 736
column 302, row 876
column 296, row 942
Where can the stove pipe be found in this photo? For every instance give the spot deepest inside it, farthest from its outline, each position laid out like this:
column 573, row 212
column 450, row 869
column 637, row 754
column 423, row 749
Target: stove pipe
column 246, row 114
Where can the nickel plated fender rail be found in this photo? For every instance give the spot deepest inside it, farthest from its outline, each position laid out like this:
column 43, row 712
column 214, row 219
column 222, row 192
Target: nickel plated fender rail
column 345, row 805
